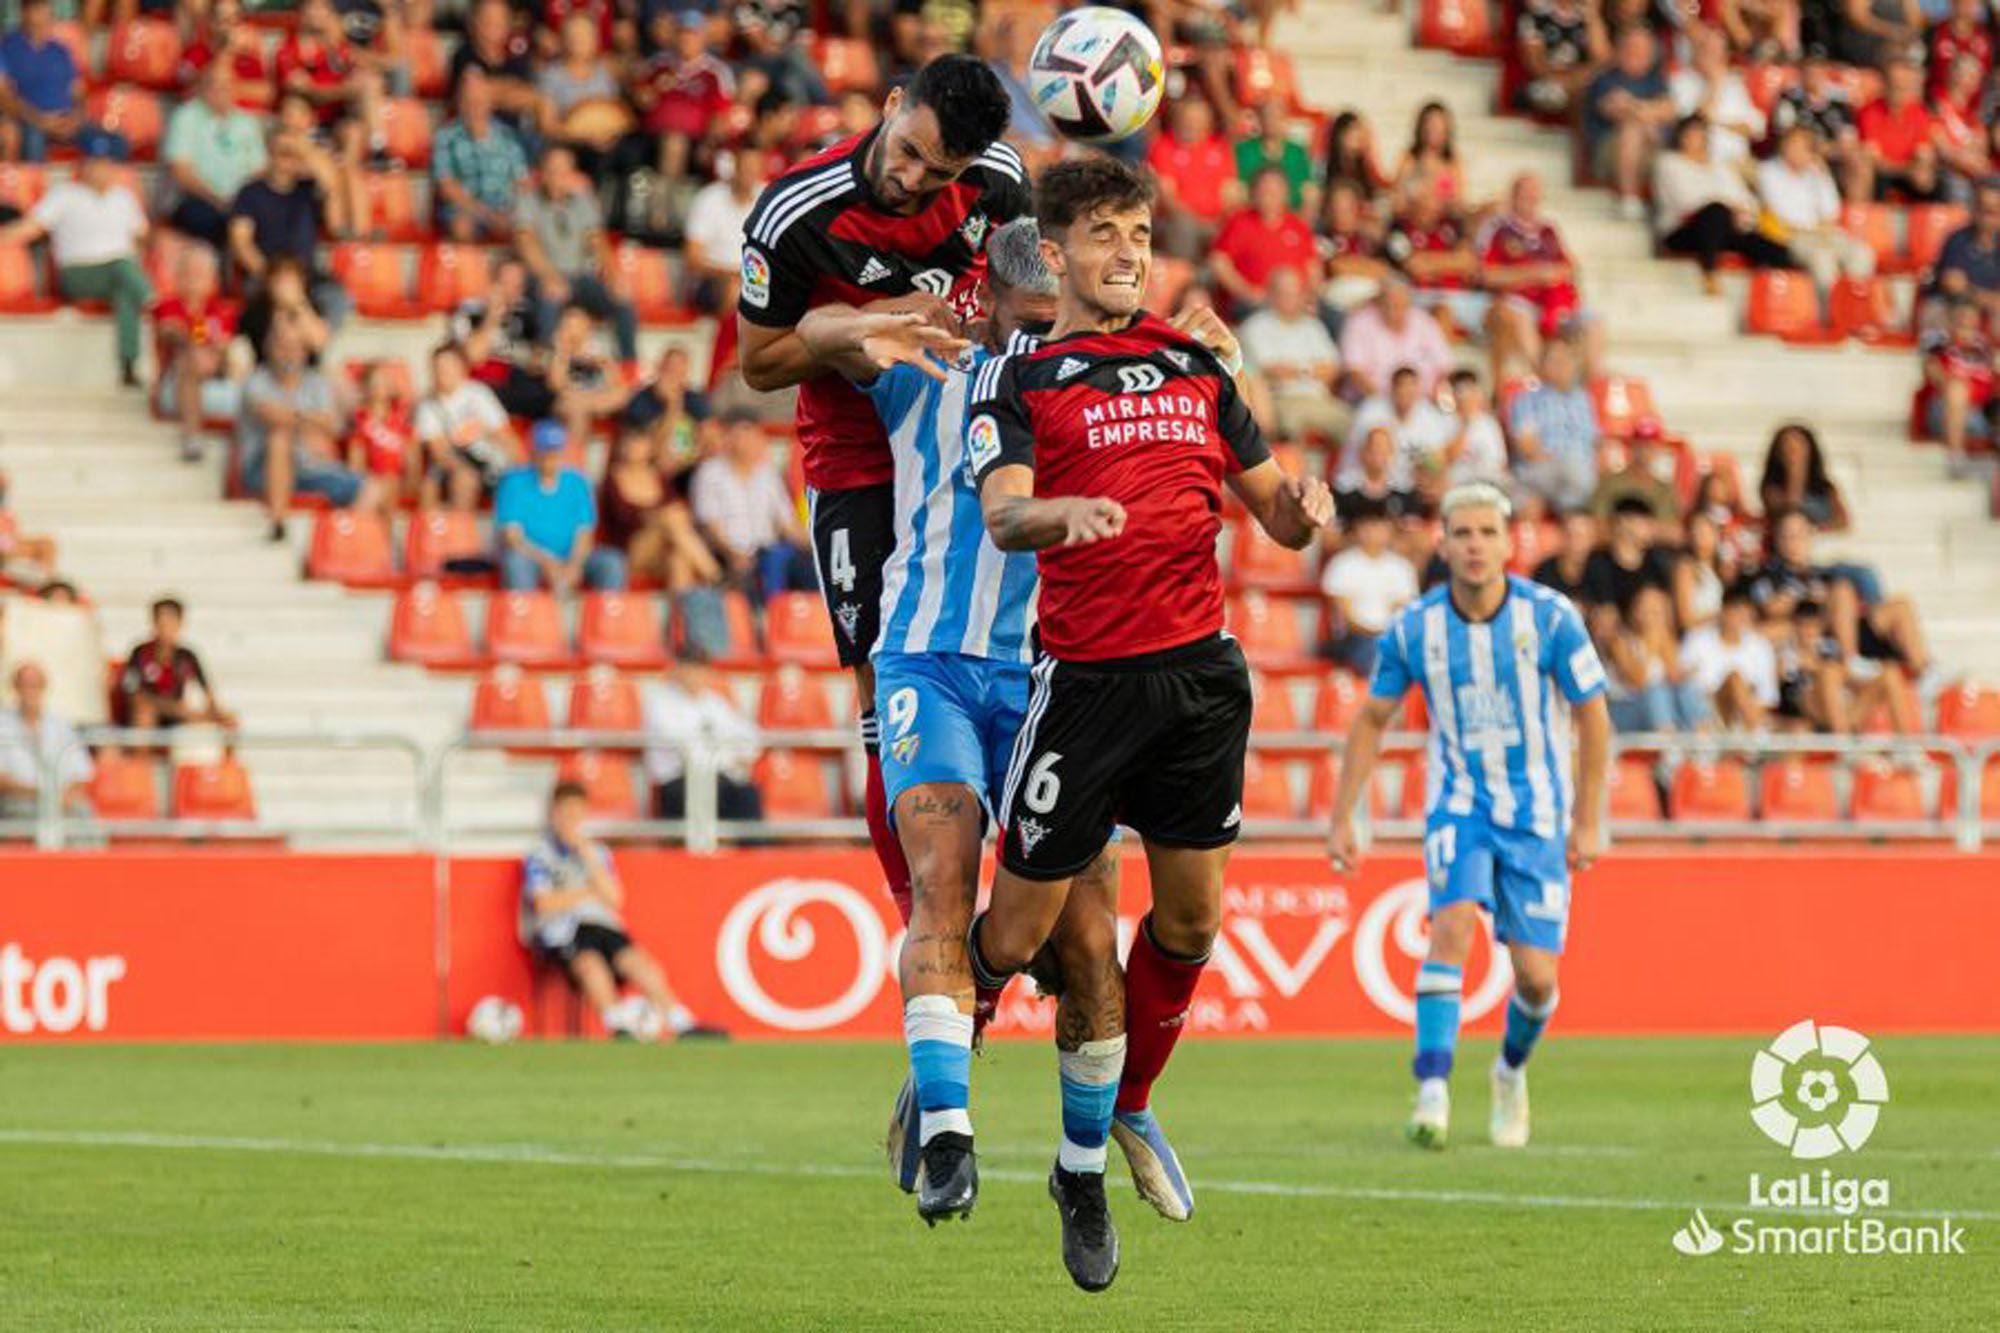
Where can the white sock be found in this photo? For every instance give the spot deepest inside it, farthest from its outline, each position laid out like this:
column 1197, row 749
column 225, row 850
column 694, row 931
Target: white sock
column 1089, row 1077
column 939, row 1038
column 679, row 1018
column 956, row 1120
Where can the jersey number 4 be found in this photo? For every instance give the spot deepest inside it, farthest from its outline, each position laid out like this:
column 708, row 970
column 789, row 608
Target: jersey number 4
column 840, row 561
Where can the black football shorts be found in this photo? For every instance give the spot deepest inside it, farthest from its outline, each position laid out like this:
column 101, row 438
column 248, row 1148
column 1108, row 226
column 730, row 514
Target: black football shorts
column 853, row 536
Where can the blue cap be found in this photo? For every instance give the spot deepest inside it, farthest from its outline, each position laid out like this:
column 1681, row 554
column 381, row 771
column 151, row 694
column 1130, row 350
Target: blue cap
column 548, row 437
column 691, row 18
column 95, row 142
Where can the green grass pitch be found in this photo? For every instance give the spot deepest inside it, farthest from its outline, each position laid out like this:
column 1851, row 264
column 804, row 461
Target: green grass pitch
column 599, row 1186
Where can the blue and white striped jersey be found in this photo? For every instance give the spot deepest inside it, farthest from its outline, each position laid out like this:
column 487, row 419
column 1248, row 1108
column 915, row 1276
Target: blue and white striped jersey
column 1499, row 693
column 947, row 588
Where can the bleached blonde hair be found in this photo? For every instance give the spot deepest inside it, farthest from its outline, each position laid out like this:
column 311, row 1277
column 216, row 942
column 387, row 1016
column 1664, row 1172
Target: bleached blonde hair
column 1475, row 495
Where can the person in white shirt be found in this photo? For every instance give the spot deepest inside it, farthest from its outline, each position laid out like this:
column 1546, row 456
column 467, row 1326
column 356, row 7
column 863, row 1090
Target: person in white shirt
column 741, row 506
column 1366, row 584
column 1734, row 664
column 464, row 432
column 1703, row 208
column 692, row 706
column 31, row 740
column 714, row 231
column 1288, row 347
column 1480, row 451
column 1708, row 87
column 1798, row 190
column 95, row 224
column 1421, row 429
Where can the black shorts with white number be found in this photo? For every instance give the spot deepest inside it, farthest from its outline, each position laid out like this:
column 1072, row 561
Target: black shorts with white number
column 1155, row 743
column 854, row 534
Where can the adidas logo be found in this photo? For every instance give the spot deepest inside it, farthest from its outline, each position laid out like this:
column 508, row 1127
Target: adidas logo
column 1071, row 366
column 873, row 271
column 1235, row 816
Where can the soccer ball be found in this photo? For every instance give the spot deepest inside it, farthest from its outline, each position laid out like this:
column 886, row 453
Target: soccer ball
column 636, row 1019
column 494, row 1021
column 1097, row 74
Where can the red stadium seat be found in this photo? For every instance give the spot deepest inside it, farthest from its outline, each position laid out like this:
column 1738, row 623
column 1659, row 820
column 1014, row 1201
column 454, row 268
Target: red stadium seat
column 1767, row 83
column 650, row 282
column 430, row 69
column 428, row 627
column 609, row 787
column 22, row 185
column 20, row 290
column 1785, row 304
column 1271, row 708
column 794, row 786
column 1968, row 711
column 603, row 700
column 1929, row 226
column 1267, row 788
column 1263, row 75
column 1986, row 804
column 123, row 788
column 1464, row 27
column 1269, row 630
column 1879, row 225
column 797, row 631
column 1256, row 561
column 1534, row 543
column 792, row 700
column 622, row 628
column 1633, row 794
column 1852, row 310
column 438, row 535
column 1888, row 793
column 1413, row 775
column 392, row 206
column 219, row 790
column 1797, row 792
column 376, row 277
column 132, row 112
column 1707, row 792
column 351, row 546
column 1340, row 698
column 848, row 63
column 1326, row 782
column 146, row 52
column 449, row 275
column 526, row 628
column 1170, row 278
column 1623, row 401
column 506, row 700
column 741, row 652
column 406, row 126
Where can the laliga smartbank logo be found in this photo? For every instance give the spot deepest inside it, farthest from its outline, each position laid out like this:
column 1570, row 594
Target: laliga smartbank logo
column 1818, row 1091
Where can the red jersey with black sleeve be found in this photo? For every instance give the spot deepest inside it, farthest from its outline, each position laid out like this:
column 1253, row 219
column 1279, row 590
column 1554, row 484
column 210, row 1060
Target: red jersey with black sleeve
column 815, row 236
column 1145, row 416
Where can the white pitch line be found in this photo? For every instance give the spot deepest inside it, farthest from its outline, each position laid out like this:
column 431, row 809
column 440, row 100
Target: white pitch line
column 535, row 1154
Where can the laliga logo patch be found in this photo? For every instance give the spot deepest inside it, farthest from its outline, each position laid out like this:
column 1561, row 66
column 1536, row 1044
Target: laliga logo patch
column 1140, row 379
column 756, row 278
column 982, row 442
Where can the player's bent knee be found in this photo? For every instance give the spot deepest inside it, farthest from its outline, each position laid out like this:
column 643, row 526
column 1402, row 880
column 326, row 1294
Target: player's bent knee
column 1187, row 930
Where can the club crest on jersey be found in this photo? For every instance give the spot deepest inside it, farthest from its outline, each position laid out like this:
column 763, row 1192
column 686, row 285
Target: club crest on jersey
column 756, row 277
column 904, row 749
column 982, row 443
column 872, row 272
column 1140, row 379
column 933, row 280
column 1030, row 831
column 1070, row 368
column 973, row 229
column 848, row 614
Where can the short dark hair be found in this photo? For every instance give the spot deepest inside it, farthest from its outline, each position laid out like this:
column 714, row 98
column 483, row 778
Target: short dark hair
column 1462, row 379
column 449, row 347
column 1078, row 187
column 567, row 790
column 172, row 604
column 1632, row 506
column 966, row 96
column 1401, row 373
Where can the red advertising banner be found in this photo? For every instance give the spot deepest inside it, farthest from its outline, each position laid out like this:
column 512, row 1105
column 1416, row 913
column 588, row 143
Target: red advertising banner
column 790, row 943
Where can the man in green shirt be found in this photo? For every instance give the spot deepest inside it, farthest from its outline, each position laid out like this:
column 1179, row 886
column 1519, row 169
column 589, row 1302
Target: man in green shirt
column 213, row 148
column 1274, row 145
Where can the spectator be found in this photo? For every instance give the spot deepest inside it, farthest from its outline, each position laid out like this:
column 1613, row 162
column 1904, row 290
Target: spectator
column 153, row 687
column 1626, row 111
column 776, row 37
column 1274, row 145
column 1965, row 33
column 1646, row 474
column 672, row 411
column 1389, row 333
column 223, row 40
column 568, row 380
column 500, row 332
column 1365, row 585
column 290, row 433
column 739, row 500
column 1958, row 371
column 682, row 92
column 1707, row 569
column 1874, row 33
column 192, row 329
column 1259, row 240
column 492, row 47
column 559, row 228
column 1015, row 35
column 1196, row 170
column 1432, row 160
column 1734, row 665
column 283, row 297
column 1524, row 262
column 381, row 443
column 464, row 432
column 1968, row 267
column 94, row 225
column 1899, row 134
column 572, row 916
column 32, row 741
column 315, row 61
column 478, row 167
column 1709, row 88
column 1797, row 190
column 212, row 149
column 285, row 212
column 342, row 161
column 692, row 706
column 1480, row 451
column 1352, row 248
column 1561, row 45
column 1287, row 346
column 582, row 108
column 642, row 513
column 1556, row 434
column 1790, row 584
column 1421, row 430
column 41, row 87
column 1373, row 485
column 1704, row 209
column 1650, row 689
column 1434, row 253
column 1796, row 478
column 1962, row 137
column 1565, row 571
column 713, row 255
column 1630, row 568
column 546, row 520
column 1350, row 156
column 1819, row 103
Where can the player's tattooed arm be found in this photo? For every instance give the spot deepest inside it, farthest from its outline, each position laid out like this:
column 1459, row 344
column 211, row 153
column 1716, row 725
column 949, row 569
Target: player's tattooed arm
column 1017, row 521
column 1289, row 508
column 862, row 343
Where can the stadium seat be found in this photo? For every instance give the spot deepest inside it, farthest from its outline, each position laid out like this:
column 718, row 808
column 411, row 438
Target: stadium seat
column 20, row 289
column 609, row 787
column 70, row 32
column 793, row 700
column 1326, row 783
column 351, row 546
column 1853, row 310
column 742, row 652
column 526, row 628
column 1413, row 779
column 1170, row 279
column 375, row 276
column 1767, row 82
column 436, row 536
column 1269, row 630
column 132, row 112
column 1340, row 698
column 1929, row 227
column 392, row 206
column 1463, row 27
column 1795, row 791
column 1887, row 793
column 1257, row 561
column 1879, row 225
column 449, row 275
column 1623, row 401
column 602, row 700
column 430, row 68
column 1710, row 791
column 622, row 628
column 1264, row 75
column 146, row 52
column 1785, row 304
column 1969, row 711
column 1267, row 788
column 1632, row 792
column 848, row 63
column 1534, row 543
column 1987, row 802
column 122, row 787
column 218, row 790
column 507, row 700
column 22, row 185
column 797, row 631
column 406, row 127
column 650, row 282
column 428, row 627
column 1271, row 709
column 794, row 786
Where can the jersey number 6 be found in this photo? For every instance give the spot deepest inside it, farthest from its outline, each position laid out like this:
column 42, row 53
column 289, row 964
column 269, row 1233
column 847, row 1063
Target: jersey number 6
column 1044, row 788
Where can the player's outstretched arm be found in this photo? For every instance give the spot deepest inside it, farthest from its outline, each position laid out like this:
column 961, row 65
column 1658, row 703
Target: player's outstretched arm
column 1357, row 768
column 776, row 358
column 1017, row 521
column 1593, row 761
column 1290, row 508
column 862, row 343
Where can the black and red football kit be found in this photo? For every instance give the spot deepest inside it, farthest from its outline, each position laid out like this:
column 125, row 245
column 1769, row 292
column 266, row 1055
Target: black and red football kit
column 816, row 237
column 1140, row 711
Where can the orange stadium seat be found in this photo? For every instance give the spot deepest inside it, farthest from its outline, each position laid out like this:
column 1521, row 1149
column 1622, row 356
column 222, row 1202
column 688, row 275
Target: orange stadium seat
column 22, row 185
column 742, row 652
column 1267, row 788
column 1929, row 226
column 1264, row 75
column 609, row 787
column 406, row 127
column 132, row 112
column 1170, row 278
column 1413, row 776
column 797, row 631
column 439, row 535
column 428, row 627
column 1968, row 711
column 448, row 275
column 1986, row 804
column 1534, row 543
column 1797, row 792
column 20, row 291
column 1785, row 304
column 1340, row 698
column 1707, row 792
column 1257, row 561
column 1879, row 225
column 377, row 278
column 603, row 700
column 793, row 700
column 1632, row 793
column 507, row 700
column 526, row 628
column 351, row 546
column 1326, row 782
column 1767, row 83
column 1464, row 27
column 623, row 628
column 1852, row 311
column 392, row 206
column 219, row 790
column 146, row 52
column 794, row 786
column 430, row 70
column 1888, row 792
column 848, row 63
column 1623, row 401
column 1271, row 709
column 1269, row 630
column 123, row 788
column 650, row 282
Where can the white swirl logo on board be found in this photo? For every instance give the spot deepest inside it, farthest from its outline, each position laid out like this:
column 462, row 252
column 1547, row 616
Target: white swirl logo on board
column 772, row 917
column 1400, row 915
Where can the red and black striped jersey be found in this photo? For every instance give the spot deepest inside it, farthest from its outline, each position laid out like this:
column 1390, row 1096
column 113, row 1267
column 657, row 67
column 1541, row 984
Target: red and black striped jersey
column 816, row 236
column 1145, row 416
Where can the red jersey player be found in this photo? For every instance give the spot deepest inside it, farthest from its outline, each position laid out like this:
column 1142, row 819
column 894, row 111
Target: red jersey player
column 901, row 212
column 1105, row 450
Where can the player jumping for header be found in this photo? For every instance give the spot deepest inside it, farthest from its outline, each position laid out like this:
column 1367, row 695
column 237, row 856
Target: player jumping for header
column 1502, row 663
column 1105, row 451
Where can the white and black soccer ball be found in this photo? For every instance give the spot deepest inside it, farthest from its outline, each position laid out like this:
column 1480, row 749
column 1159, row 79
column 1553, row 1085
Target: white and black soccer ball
column 495, row 1021
column 1097, row 74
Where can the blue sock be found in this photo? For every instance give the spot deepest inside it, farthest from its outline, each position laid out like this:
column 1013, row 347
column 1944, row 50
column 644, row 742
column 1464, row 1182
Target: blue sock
column 1437, row 1018
column 1524, row 1029
column 1089, row 1094
column 940, row 1040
